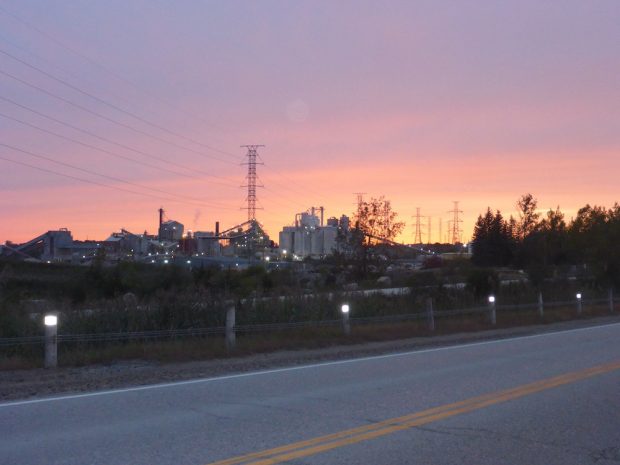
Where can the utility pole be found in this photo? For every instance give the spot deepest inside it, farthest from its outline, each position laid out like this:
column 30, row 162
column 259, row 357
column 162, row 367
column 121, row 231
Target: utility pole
column 251, row 179
column 455, row 227
column 417, row 236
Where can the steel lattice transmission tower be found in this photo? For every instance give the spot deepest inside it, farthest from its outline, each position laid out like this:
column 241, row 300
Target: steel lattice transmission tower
column 417, row 237
column 360, row 200
column 455, row 227
column 251, row 179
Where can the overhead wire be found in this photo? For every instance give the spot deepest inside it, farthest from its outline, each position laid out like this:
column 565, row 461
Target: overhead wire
column 112, row 178
column 88, row 181
column 108, row 152
column 111, row 120
column 113, row 106
column 117, row 108
column 110, row 141
column 99, row 65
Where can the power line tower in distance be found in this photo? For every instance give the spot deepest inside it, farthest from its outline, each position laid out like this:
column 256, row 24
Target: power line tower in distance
column 417, row 236
column 455, row 224
column 251, row 179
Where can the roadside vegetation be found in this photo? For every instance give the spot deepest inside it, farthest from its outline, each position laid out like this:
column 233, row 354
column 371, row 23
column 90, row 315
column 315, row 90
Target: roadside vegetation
column 516, row 259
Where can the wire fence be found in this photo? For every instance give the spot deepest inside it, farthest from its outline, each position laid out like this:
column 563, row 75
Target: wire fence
column 265, row 328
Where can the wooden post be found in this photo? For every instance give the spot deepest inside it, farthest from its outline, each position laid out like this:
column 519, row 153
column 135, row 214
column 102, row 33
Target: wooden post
column 231, row 339
column 430, row 314
column 541, row 307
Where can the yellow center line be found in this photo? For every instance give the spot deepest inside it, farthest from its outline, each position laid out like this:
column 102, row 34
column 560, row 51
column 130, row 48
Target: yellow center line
column 355, row 435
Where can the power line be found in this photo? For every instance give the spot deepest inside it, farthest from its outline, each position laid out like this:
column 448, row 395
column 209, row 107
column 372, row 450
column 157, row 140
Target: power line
column 111, row 120
column 108, row 152
column 88, row 181
column 112, row 178
column 113, row 106
column 103, row 67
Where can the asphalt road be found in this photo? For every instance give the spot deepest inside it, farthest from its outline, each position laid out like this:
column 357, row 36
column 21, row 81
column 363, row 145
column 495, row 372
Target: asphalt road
column 544, row 399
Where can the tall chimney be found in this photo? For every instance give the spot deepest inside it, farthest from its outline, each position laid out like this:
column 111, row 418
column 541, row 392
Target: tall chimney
column 217, row 229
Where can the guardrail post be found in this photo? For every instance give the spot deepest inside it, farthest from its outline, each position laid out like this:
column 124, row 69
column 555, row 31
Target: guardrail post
column 346, row 324
column 579, row 306
column 51, row 341
column 231, row 339
column 492, row 310
column 611, row 300
column 430, row 314
column 541, row 307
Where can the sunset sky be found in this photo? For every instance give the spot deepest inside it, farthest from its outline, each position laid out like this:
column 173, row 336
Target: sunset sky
column 424, row 102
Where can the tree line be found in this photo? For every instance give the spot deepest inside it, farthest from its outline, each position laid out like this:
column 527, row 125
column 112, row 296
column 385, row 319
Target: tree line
column 547, row 244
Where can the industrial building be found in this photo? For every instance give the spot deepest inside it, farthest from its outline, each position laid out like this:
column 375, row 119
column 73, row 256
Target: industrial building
column 309, row 237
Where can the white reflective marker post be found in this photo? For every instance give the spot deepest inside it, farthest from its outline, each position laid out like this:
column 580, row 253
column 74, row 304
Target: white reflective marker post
column 492, row 313
column 579, row 307
column 51, row 341
column 346, row 325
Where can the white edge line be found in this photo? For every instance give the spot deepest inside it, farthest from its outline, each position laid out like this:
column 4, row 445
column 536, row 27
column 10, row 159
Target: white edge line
column 294, row 368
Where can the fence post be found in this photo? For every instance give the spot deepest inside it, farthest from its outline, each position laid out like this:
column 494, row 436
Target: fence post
column 579, row 307
column 492, row 312
column 611, row 300
column 231, row 339
column 346, row 325
column 430, row 314
column 541, row 307
column 51, row 341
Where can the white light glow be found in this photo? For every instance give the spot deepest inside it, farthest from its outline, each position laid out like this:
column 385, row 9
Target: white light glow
column 579, row 295
column 491, row 299
column 345, row 308
column 50, row 320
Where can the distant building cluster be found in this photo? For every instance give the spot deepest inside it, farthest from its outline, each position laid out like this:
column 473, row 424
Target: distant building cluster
column 234, row 247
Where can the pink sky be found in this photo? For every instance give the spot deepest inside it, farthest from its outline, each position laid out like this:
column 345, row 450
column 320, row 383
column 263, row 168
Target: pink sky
column 421, row 102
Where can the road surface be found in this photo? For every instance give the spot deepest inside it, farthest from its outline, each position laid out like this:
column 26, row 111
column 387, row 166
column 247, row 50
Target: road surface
column 543, row 399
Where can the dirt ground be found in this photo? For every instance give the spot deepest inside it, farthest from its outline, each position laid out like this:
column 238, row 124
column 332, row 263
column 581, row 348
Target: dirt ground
column 34, row 383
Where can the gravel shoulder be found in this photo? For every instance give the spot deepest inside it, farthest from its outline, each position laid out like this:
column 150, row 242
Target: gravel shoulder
column 36, row 383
